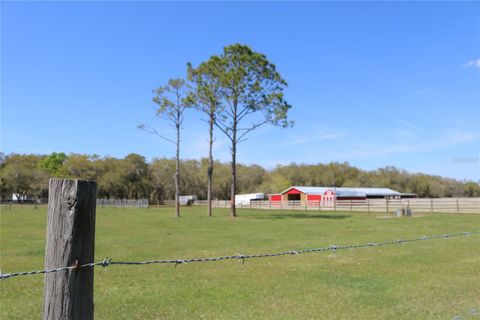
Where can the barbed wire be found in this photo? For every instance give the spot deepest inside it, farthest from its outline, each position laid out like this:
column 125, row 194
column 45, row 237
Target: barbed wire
column 108, row 261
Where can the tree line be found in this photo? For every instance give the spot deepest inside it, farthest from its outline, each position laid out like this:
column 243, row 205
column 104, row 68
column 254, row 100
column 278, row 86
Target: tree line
column 133, row 177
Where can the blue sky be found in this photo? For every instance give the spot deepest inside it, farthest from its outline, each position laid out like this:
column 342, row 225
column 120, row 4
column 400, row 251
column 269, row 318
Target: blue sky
column 372, row 83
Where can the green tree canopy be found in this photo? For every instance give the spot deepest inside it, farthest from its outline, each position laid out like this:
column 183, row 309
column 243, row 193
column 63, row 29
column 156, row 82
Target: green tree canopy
column 172, row 100
column 53, row 162
column 251, row 94
column 22, row 176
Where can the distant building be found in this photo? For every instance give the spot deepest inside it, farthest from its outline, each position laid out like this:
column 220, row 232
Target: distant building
column 328, row 195
column 18, row 197
column 246, row 199
column 187, row 200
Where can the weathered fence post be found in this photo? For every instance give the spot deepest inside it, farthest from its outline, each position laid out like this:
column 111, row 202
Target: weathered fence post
column 387, row 205
column 68, row 295
column 458, row 207
column 431, row 205
column 368, row 205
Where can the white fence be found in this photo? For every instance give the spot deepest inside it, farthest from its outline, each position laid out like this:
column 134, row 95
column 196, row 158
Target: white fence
column 123, row 203
column 436, row 205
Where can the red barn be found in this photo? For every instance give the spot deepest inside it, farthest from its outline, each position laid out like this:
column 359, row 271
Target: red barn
column 328, row 195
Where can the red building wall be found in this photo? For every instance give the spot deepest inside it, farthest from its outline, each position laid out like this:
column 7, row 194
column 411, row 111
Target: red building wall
column 275, row 197
column 327, row 199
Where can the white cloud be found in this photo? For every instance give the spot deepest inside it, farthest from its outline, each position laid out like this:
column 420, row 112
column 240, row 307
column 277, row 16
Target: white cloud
column 454, row 137
column 472, row 64
column 402, row 122
column 314, row 138
column 330, row 136
column 442, row 140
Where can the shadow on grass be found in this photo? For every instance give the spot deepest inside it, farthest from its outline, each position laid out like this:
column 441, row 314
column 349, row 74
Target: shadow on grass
column 303, row 216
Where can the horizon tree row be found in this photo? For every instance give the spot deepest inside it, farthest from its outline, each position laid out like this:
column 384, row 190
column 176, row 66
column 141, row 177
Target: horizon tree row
column 134, row 178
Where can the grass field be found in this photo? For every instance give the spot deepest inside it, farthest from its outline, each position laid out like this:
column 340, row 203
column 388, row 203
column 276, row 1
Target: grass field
column 434, row 279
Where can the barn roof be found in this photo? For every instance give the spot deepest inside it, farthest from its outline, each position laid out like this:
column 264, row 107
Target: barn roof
column 351, row 192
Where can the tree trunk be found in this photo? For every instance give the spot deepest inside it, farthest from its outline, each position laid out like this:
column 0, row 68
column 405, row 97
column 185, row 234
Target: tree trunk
column 177, row 174
column 210, row 167
column 233, row 189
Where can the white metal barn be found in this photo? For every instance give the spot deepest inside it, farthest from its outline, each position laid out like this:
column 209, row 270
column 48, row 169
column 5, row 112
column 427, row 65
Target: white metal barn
column 245, row 199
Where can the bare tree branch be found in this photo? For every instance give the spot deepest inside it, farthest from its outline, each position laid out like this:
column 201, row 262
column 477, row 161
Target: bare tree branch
column 153, row 131
column 253, row 127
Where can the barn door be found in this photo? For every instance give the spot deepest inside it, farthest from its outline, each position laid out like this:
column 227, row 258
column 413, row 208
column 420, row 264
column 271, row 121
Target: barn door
column 328, row 199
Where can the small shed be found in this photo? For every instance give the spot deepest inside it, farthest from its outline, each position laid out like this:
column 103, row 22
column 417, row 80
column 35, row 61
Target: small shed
column 187, row 200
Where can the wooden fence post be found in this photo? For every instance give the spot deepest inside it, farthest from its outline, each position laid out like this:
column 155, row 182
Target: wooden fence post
column 70, row 240
column 368, row 205
column 458, row 207
column 431, row 205
column 387, row 205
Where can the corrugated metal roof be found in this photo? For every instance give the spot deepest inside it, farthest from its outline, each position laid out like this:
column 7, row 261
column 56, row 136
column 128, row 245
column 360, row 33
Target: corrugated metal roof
column 350, row 192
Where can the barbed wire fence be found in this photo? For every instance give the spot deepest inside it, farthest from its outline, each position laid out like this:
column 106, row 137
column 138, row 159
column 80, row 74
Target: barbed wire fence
column 242, row 257
column 72, row 205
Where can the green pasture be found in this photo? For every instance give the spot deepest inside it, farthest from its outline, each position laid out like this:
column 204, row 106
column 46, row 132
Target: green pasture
column 434, row 279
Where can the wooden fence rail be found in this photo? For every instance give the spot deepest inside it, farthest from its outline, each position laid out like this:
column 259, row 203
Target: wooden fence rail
column 437, row 205
column 123, row 203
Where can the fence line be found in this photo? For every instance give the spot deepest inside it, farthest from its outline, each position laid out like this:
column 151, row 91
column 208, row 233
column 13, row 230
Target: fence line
column 123, row 203
column 108, row 261
column 417, row 205
column 72, row 204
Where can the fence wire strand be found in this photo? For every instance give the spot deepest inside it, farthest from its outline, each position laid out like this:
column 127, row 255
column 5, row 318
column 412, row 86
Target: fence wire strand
column 242, row 257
